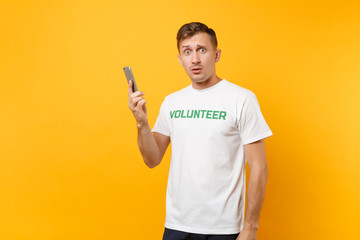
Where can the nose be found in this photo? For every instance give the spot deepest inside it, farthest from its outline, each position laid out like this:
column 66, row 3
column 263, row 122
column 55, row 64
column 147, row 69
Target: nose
column 195, row 58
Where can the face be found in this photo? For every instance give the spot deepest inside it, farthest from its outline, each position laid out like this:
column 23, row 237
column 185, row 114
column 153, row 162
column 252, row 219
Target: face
column 198, row 57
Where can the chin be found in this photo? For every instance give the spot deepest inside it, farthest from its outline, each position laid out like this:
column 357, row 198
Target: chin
column 201, row 80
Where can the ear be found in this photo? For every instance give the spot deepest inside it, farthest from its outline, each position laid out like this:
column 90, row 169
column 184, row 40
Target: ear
column 179, row 58
column 217, row 55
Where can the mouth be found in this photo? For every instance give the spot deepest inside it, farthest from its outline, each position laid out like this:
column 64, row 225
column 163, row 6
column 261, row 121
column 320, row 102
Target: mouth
column 196, row 70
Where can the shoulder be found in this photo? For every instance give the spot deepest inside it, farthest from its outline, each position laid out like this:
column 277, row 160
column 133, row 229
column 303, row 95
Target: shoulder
column 237, row 91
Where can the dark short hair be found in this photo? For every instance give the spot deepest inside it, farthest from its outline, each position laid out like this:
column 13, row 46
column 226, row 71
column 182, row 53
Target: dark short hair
column 190, row 29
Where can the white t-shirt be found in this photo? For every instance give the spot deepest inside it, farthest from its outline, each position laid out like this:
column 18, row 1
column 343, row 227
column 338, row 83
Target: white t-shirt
column 207, row 182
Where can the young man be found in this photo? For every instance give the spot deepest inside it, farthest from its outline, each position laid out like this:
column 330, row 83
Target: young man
column 214, row 127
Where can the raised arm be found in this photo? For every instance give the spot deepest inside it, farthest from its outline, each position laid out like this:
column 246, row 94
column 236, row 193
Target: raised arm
column 152, row 146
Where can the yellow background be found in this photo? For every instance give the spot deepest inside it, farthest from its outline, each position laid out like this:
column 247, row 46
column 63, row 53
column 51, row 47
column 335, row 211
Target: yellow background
column 69, row 163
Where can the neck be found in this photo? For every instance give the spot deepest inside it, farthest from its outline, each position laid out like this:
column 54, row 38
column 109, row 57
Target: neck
column 207, row 83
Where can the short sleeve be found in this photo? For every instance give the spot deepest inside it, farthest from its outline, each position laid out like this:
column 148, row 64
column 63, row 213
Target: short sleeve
column 252, row 125
column 162, row 121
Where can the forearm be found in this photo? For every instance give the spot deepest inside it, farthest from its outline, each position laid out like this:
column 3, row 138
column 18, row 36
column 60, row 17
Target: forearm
column 148, row 146
column 255, row 196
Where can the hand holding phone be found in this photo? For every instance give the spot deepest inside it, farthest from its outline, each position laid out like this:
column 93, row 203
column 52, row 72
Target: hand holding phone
column 130, row 76
column 136, row 99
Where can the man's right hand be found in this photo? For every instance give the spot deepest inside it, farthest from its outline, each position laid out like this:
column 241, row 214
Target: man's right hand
column 137, row 105
column 152, row 146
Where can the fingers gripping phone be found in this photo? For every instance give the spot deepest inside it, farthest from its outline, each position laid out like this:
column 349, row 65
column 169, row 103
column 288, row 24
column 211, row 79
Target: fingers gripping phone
column 129, row 76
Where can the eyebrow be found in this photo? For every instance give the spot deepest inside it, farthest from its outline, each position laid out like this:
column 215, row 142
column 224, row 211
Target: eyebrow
column 186, row 46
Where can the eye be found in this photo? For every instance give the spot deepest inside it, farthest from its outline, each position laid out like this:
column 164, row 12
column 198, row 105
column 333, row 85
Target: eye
column 187, row 52
column 202, row 50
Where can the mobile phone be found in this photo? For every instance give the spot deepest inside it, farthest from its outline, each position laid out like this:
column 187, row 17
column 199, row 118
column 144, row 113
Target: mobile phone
column 129, row 76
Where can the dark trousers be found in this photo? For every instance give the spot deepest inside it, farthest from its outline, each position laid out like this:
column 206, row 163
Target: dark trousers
column 170, row 234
